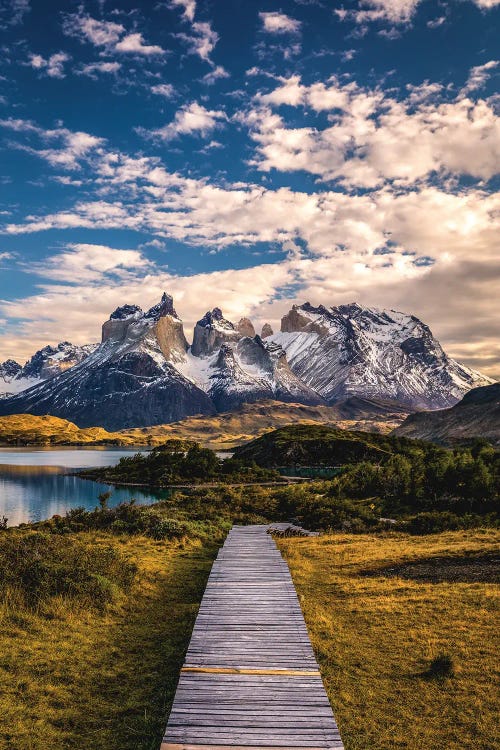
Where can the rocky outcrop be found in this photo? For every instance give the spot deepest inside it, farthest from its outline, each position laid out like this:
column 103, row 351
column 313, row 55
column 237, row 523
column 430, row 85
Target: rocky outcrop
column 144, row 373
column 9, row 369
column 245, row 328
column 352, row 350
column 211, row 332
column 266, row 331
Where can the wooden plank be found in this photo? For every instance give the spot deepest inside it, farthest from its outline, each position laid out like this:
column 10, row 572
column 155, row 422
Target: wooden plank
column 250, row 679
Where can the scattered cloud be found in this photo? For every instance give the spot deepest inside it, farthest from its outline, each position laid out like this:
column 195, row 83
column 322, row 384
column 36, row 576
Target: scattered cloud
column 134, row 44
column 110, row 36
column 396, row 12
column 279, row 23
column 479, row 75
column 69, row 147
column 12, row 12
column 188, row 8
column 80, row 263
column 192, row 119
column 94, row 70
column 373, row 137
column 201, row 41
column 53, row 66
column 214, row 75
column 88, row 29
column 163, row 89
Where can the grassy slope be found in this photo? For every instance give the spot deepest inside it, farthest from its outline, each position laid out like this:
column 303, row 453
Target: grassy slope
column 375, row 636
column 26, row 429
column 221, row 431
column 70, row 678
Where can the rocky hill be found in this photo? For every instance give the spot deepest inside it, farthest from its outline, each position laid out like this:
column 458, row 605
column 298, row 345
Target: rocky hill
column 352, row 350
column 46, row 363
column 144, row 372
column 476, row 415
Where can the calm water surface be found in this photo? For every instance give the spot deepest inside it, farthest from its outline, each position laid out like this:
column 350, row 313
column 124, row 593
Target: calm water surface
column 34, row 484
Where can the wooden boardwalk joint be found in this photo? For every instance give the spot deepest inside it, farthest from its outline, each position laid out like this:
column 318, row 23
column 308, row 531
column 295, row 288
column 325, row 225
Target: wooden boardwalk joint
column 250, row 680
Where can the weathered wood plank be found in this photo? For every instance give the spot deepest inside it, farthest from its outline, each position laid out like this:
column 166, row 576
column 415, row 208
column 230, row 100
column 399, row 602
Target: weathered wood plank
column 250, row 679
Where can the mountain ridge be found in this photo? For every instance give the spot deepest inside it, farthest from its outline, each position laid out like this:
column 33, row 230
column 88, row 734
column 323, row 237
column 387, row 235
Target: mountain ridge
column 144, row 372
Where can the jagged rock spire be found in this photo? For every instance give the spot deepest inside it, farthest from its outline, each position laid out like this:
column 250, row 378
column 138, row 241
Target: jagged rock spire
column 164, row 307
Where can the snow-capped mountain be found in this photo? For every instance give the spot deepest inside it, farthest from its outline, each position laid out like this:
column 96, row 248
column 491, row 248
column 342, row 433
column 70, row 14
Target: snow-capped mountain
column 129, row 380
column 235, row 366
column 144, row 372
column 46, row 363
column 352, row 350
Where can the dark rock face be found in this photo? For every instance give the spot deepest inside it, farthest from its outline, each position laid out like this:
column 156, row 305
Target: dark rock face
column 266, row 331
column 211, row 332
column 51, row 360
column 132, row 391
column 9, row 369
column 352, row 350
column 125, row 312
column 143, row 372
column 164, row 307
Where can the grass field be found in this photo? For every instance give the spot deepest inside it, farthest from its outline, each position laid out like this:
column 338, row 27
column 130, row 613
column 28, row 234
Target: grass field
column 377, row 635
column 72, row 676
column 75, row 675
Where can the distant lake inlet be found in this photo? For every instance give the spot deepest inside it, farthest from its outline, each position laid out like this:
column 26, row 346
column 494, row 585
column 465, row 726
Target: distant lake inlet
column 36, row 484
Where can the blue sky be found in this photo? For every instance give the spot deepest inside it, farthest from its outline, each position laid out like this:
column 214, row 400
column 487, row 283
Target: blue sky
column 249, row 155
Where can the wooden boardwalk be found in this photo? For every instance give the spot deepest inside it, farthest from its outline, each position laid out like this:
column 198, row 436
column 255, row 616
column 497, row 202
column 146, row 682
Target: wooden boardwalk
column 250, row 679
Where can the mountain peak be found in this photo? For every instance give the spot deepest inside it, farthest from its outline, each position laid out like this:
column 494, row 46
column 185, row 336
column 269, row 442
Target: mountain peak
column 125, row 311
column 164, row 307
column 211, row 332
column 215, row 319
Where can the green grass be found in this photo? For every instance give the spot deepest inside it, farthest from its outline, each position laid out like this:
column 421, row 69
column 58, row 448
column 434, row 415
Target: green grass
column 76, row 676
column 407, row 664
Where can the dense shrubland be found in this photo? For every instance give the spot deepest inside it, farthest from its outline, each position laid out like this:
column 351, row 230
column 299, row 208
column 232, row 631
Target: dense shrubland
column 413, row 485
column 181, row 461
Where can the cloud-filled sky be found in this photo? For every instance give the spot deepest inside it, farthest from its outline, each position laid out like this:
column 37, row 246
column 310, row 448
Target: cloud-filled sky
column 249, row 155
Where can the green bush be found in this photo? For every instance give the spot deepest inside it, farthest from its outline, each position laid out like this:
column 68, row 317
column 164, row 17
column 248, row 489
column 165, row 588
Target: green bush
column 434, row 522
column 43, row 565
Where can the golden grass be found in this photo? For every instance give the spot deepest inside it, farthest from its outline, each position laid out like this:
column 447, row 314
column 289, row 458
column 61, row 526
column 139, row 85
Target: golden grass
column 27, row 429
column 221, row 431
column 375, row 637
column 70, row 678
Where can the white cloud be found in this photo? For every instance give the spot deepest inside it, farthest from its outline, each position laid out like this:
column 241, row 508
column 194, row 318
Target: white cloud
column 134, row 44
column 374, row 137
column 479, row 75
column 108, row 34
column 93, row 70
column 192, row 119
column 163, row 89
column 53, row 66
column 188, row 8
column 12, row 12
column 398, row 12
column 279, row 23
column 368, row 246
column 98, row 33
column 82, row 263
column 70, row 149
column 201, row 41
column 214, row 75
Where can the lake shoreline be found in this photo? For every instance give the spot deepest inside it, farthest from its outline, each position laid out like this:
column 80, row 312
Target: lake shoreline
column 38, row 483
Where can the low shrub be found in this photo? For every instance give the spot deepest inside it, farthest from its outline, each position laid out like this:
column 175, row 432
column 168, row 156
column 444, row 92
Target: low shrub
column 433, row 522
column 42, row 565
